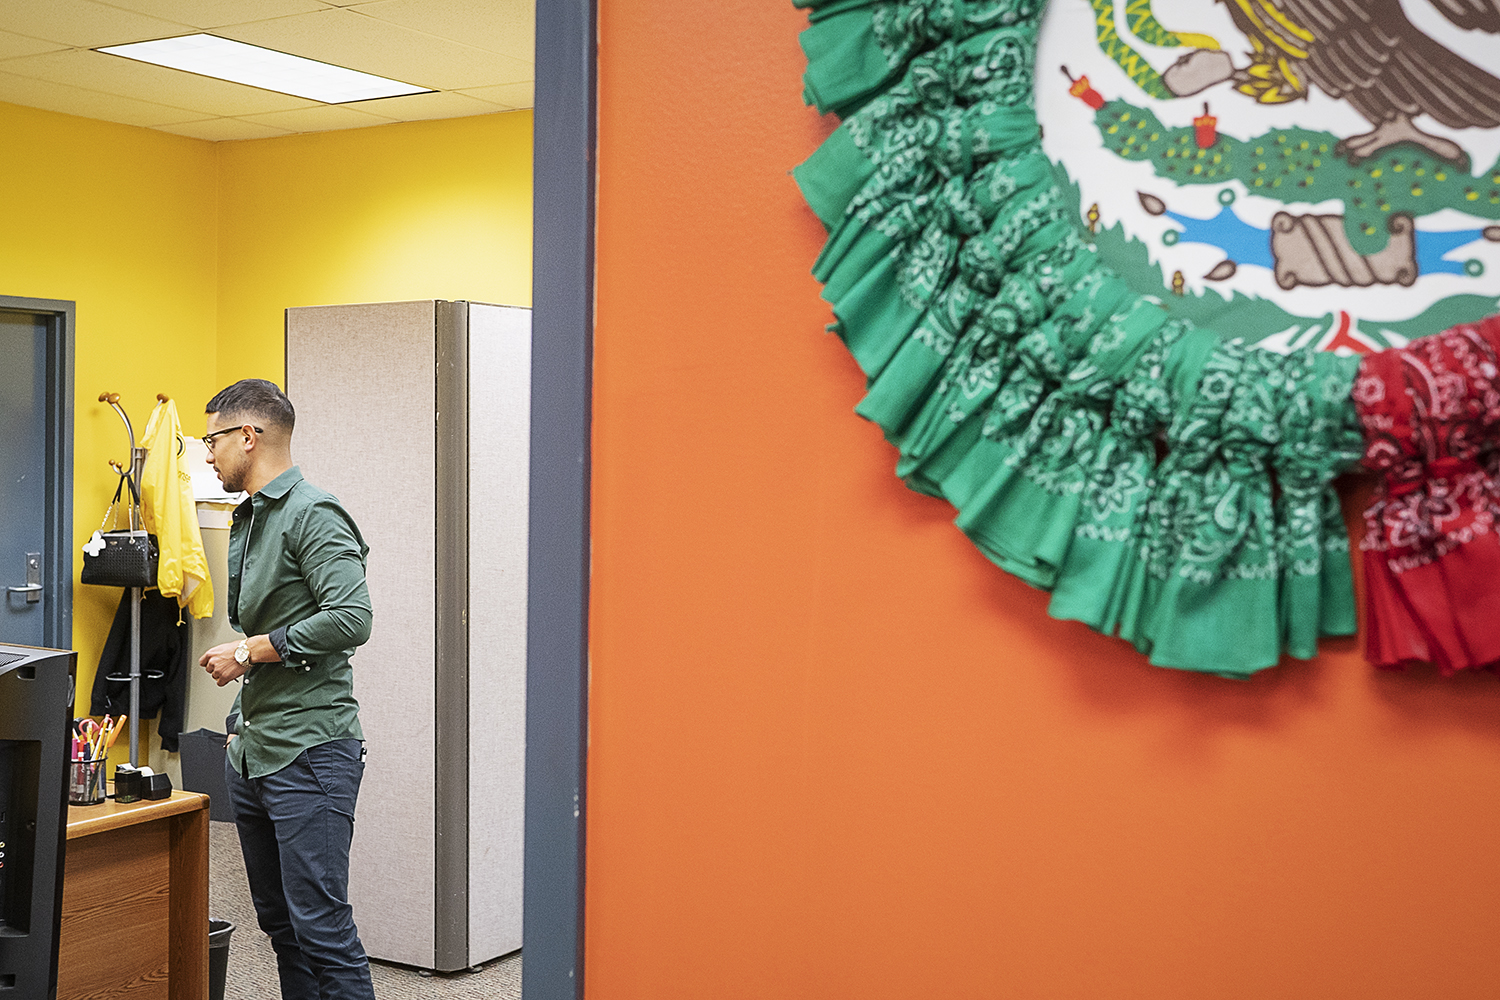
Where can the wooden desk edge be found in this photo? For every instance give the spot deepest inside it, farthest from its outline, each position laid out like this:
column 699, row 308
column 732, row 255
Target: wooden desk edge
column 83, row 821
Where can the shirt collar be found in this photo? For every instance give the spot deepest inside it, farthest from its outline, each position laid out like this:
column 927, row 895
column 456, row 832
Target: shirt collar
column 282, row 484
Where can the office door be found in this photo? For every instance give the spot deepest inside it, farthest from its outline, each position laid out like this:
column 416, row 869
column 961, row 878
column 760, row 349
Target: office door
column 34, row 508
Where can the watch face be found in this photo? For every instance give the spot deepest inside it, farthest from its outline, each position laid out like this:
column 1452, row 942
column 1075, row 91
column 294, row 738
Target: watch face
column 241, row 654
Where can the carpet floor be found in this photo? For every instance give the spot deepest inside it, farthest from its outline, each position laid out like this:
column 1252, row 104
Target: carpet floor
column 252, row 963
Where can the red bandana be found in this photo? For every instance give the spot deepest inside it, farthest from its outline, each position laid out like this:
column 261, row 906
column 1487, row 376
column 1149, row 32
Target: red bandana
column 1430, row 413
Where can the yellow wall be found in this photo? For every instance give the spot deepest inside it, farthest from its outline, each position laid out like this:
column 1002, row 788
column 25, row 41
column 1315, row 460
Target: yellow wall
column 181, row 255
column 123, row 221
column 416, row 211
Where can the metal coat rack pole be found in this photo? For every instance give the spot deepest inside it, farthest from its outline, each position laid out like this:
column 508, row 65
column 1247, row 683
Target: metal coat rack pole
column 137, row 462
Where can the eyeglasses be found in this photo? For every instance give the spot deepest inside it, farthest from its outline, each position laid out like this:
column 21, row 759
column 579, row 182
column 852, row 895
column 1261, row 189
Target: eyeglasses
column 208, row 439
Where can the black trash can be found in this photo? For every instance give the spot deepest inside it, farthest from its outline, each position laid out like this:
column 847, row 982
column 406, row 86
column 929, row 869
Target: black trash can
column 218, row 957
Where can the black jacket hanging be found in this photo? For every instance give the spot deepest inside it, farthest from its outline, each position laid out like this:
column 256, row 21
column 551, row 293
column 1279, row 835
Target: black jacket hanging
column 163, row 675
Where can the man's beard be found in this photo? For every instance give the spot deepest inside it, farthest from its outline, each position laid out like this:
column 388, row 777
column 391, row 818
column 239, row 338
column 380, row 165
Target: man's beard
column 234, row 481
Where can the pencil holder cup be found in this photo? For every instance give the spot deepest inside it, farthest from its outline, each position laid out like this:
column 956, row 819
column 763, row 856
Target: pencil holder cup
column 86, row 782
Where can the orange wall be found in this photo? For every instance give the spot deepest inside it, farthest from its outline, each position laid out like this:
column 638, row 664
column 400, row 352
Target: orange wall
column 834, row 753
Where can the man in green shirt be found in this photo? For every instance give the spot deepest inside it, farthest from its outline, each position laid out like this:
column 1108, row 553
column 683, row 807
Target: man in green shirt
column 295, row 756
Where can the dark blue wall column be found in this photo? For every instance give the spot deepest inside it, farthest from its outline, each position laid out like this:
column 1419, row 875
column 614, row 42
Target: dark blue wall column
column 561, row 382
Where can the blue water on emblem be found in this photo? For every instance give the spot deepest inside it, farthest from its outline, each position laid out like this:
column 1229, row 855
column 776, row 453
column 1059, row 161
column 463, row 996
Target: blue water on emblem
column 1240, row 241
column 1433, row 250
column 1246, row 244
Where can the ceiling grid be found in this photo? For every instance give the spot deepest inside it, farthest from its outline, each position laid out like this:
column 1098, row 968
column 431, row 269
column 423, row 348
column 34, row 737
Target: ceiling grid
column 475, row 55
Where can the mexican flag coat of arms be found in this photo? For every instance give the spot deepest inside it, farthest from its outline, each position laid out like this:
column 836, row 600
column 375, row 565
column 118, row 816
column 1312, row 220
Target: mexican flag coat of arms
column 1292, row 172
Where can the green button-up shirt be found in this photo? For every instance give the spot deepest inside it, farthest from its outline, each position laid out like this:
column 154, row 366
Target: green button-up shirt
column 296, row 561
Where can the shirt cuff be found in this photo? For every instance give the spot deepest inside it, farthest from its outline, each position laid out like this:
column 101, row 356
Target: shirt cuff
column 278, row 642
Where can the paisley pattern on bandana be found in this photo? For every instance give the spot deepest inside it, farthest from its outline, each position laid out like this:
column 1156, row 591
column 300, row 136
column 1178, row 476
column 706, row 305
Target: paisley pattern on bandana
column 1164, row 483
column 1431, row 550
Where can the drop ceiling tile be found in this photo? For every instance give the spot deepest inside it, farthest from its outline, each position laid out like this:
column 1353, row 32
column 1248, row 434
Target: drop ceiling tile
column 12, row 46
column 504, row 26
column 84, row 23
column 320, row 119
column 220, row 129
column 510, row 95
column 214, row 13
column 157, row 84
column 34, row 93
column 423, row 107
column 352, row 40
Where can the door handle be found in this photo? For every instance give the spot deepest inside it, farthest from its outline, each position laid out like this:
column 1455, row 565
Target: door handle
column 32, row 591
column 33, row 587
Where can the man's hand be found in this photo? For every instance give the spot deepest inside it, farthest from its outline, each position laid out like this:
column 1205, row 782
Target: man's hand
column 220, row 663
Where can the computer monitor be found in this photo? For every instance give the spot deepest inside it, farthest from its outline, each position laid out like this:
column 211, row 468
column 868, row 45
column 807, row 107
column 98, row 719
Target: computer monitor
column 36, row 714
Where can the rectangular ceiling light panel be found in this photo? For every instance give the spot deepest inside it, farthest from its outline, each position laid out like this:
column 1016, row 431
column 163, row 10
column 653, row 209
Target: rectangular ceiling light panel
column 223, row 59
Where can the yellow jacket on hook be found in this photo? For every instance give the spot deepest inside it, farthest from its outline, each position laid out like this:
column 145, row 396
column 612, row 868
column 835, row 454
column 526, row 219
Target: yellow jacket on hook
column 172, row 515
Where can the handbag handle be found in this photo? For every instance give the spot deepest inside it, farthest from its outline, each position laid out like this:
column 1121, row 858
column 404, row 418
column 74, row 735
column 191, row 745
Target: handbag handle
column 133, row 501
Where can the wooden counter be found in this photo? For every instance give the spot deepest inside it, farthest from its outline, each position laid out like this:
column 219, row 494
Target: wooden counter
column 135, row 901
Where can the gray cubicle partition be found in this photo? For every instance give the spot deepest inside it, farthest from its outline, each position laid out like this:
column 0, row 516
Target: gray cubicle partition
column 417, row 416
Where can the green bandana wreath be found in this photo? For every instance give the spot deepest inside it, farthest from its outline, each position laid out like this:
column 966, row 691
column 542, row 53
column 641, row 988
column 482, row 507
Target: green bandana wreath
column 1163, row 482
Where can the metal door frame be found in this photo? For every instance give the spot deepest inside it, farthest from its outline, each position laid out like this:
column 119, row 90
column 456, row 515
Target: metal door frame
column 57, row 562
column 558, row 585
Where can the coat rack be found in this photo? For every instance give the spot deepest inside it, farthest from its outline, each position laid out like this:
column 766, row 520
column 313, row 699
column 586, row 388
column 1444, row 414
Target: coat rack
column 137, row 462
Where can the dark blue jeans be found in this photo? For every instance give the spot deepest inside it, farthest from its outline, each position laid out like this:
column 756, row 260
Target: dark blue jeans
column 295, row 827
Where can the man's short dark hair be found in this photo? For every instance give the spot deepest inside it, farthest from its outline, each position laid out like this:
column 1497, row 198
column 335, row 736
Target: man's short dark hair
column 254, row 401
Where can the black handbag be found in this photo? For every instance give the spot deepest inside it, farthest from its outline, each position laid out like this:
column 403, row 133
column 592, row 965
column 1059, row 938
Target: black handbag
column 115, row 558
